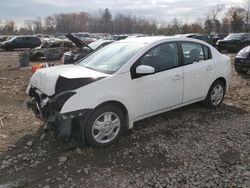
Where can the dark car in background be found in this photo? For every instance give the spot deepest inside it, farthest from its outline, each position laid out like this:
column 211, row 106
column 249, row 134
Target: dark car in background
column 242, row 61
column 203, row 37
column 82, row 50
column 51, row 49
column 21, row 42
column 85, row 37
column 233, row 42
column 217, row 37
column 4, row 38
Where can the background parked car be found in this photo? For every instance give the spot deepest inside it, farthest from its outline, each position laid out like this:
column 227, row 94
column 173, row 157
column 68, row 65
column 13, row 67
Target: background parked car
column 21, row 42
column 218, row 37
column 120, row 37
column 4, row 38
column 234, row 42
column 85, row 37
column 203, row 37
column 51, row 49
column 242, row 60
column 101, row 36
column 83, row 49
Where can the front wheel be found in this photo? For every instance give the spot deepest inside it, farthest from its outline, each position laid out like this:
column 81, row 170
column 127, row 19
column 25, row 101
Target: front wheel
column 105, row 126
column 215, row 94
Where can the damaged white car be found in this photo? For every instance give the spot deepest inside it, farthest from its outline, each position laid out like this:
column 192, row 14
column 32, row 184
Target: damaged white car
column 106, row 92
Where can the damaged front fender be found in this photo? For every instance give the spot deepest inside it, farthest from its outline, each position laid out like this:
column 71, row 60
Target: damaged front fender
column 59, row 100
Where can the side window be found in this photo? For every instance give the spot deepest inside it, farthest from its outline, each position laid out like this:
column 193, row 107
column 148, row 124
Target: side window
column 34, row 39
column 248, row 36
column 19, row 39
column 193, row 52
column 207, row 53
column 55, row 45
column 162, row 57
column 68, row 45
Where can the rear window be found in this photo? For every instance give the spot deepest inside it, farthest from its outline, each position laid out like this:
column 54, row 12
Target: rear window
column 55, row 45
column 237, row 36
column 194, row 52
column 34, row 39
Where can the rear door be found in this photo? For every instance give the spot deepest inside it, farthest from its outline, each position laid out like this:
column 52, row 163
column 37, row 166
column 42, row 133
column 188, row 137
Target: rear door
column 29, row 43
column 199, row 70
column 19, row 42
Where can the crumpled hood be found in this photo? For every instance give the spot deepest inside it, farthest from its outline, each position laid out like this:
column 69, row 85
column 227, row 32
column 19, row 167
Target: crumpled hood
column 46, row 79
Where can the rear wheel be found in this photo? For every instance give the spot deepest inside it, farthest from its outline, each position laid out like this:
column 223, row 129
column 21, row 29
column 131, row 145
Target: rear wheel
column 215, row 94
column 105, row 126
column 9, row 48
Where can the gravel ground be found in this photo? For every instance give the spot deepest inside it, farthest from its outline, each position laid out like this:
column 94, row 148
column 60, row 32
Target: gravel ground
column 187, row 147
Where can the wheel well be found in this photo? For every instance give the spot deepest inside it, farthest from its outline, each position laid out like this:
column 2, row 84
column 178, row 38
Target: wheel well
column 119, row 105
column 223, row 80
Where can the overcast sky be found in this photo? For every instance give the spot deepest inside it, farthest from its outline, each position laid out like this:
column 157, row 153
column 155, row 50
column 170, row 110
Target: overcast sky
column 160, row 10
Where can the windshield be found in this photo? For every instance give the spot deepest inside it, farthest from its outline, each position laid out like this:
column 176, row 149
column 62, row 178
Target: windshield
column 44, row 44
column 112, row 57
column 234, row 36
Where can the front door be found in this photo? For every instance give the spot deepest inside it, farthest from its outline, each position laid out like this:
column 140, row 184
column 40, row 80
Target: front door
column 163, row 89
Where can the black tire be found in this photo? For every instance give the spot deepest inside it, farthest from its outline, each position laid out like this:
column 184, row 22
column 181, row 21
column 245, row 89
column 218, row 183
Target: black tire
column 9, row 48
column 89, row 137
column 208, row 101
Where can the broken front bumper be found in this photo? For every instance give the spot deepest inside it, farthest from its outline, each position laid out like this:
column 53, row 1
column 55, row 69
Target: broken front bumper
column 46, row 113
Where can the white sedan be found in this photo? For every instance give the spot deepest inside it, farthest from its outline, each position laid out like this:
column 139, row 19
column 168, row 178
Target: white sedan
column 106, row 92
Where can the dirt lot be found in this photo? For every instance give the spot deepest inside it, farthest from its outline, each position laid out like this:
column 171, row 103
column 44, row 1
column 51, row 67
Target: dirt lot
column 188, row 147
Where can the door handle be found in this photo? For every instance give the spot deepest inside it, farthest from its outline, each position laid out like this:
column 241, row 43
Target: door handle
column 209, row 67
column 177, row 76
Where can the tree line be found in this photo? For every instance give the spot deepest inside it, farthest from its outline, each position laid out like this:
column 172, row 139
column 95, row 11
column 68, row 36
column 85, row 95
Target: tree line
column 234, row 19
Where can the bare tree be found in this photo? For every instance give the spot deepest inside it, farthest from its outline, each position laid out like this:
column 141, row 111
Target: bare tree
column 28, row 25
column 212, row 24
column 236, row 18
column 216, row 10
column 9, row 27
column 37, row 25
column 247, row 15
column 50, row 24
column 107, row 25
column 176, row 24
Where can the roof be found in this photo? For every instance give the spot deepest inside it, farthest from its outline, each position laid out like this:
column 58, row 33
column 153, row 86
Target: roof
column 155, row 39
column 144, row 39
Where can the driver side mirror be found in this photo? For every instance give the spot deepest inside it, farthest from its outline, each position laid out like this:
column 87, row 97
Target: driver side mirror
column 145, row 69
